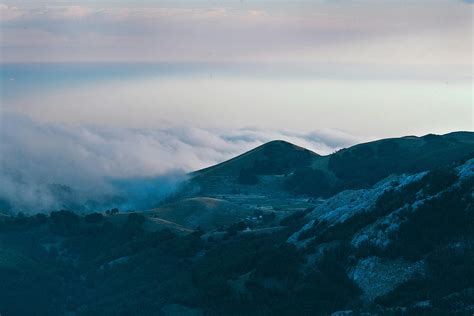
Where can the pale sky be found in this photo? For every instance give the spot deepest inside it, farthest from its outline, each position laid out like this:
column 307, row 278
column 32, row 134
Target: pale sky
column 370, row 68
column 434, row 32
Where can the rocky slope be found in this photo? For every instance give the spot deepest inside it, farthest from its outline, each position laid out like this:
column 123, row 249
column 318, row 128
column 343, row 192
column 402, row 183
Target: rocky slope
column 392, row 231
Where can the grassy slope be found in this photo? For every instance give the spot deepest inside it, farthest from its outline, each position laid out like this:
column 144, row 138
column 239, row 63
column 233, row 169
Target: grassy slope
column 151, row 224
column 206, row 213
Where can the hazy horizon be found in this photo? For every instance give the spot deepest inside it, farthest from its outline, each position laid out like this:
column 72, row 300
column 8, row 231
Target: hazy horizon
column 371, row 69
column 303, row 97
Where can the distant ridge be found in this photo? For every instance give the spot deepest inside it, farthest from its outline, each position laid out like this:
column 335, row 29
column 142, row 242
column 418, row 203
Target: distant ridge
column 296, row 170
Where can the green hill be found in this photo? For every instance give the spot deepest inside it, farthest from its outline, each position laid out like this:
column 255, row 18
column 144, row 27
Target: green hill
column 363, row 165
column 275, row 157
column 279, row 167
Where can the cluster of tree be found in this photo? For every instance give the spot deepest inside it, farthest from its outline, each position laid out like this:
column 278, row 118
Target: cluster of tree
column 446, row 217
column 113, row 211
column 447, row 285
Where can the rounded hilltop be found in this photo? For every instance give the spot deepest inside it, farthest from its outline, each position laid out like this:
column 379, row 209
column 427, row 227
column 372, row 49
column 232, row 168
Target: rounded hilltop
column 278, row 155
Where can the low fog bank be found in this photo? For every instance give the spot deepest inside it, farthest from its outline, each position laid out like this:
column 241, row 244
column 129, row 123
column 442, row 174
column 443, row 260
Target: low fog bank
column 45, row 166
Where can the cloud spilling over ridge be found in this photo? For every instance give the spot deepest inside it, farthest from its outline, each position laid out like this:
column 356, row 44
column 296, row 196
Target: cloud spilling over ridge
column 92, row 167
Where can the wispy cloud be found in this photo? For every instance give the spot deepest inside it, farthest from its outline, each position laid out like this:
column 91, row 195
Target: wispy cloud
column 244, row 31
column 9, row 13
column 120, row 13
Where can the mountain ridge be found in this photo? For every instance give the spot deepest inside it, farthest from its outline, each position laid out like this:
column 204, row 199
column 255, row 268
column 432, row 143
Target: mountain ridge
column 290, row 169
column 466, row 136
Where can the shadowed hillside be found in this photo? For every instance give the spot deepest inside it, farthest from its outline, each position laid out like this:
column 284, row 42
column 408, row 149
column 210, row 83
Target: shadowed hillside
column 273, row 158
column 364, row 164
column 282, row 168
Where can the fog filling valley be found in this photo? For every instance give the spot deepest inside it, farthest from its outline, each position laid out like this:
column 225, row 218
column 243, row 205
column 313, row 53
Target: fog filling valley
column 46, row 166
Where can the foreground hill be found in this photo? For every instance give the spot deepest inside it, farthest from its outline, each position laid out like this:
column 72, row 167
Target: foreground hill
column 403, row 235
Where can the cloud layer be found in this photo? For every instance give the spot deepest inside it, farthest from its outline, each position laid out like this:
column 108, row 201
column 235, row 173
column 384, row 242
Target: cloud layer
column 50, row 166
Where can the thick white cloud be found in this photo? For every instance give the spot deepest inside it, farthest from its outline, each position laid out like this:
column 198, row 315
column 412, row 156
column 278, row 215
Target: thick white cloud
column 92, row 160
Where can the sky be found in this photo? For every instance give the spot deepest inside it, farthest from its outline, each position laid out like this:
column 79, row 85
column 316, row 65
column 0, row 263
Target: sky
column 370, row 68
column 94, row 90
column 434, row 32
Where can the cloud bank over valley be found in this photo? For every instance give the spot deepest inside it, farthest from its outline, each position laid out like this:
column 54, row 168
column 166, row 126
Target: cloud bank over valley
column 47, row 166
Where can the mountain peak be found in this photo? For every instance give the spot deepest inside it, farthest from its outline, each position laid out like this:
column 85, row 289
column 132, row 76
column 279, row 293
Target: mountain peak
column 279, row 142
column 282, row 145
column 279, row 153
